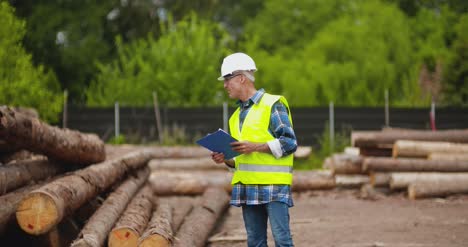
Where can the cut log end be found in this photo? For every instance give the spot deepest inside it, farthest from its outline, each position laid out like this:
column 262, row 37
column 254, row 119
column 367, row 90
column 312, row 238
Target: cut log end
column 37, row 213
column 155, row 240
column 123, row 237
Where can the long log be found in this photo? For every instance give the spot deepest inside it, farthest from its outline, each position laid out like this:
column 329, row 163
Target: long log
column 96, row 230
column 188, row 183
column 185, row 164
column 133, row 221
column 342, row 163
column 60, row 144
column 437, row 188
column 9, row 202
column 405, row 148
column 159, row 231
column 173, row 152
column 351, row 180
column 312, row 180
column 448, row 156
column 379, row 138
column 379, row 179
column 413, row 165
column 215, row 201
column 400, row 180
column 47, row 206
column 17, row 174
column 196, row 182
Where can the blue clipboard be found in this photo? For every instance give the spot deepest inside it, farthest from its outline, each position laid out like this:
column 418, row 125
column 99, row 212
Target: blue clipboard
column 219, row 142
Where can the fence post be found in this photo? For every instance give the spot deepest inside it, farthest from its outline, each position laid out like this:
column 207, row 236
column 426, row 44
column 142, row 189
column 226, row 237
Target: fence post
column 432, row 116
column 65, row 109
column 387, row 112
column 117, row 119
column 225, row 116
column 158, row 117
column 332, row 127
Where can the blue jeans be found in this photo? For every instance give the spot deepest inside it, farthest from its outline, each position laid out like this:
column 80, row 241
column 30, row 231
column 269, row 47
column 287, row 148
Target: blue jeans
column 255, row 220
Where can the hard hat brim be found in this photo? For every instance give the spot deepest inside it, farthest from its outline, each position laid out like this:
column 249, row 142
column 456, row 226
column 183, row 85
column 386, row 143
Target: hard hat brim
column 221, row 78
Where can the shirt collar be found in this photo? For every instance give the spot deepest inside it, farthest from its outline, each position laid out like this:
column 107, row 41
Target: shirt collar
column 254, row 99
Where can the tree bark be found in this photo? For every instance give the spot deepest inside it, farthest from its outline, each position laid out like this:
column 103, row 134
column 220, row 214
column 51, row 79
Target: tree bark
column 379, row 179
column 96, row 230
column 404, row 148
column 413, row 165
column 351, row 180
column 303, row 152
column 342, row 163
column 400, row 180
column 215, row 201
column 17, row 174
column 376, row 151
column 379, row 138
column 312, row 180
column 47, row 206
column 60, row 144
column 185, row 164
column 438, row 188
column 133, row 221
column 448, row 156
column 9, row 203
column 173, row 152
column 159, row 231
column 188, row 183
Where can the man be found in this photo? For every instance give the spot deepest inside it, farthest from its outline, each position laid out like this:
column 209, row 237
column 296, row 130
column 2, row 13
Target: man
column 263, row 172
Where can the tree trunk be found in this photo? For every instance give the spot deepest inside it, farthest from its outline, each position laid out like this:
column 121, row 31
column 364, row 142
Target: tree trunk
column 159, row 231
column 448, row 156
column 400, row 180
column 376, row 151
column 351, row 180
column 47, row 206
column 215, row 201
column 379, row 138
column 413, row 164
column 379, row 179
column 9, row 203
column 19, row 156
column 403, row 148
column 188, row 183
column 96, row 230
column 133, row 221
column 60, row 144
column 302, row 152
column 312, row 180
column 173, row 152
column 185, row 164
column 179, row 214
column 346, row 164
column 17, row 174
column 438, row 188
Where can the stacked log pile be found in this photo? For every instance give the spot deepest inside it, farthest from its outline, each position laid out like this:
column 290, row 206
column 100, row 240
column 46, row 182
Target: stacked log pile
column 63, row 190
column 423, row 163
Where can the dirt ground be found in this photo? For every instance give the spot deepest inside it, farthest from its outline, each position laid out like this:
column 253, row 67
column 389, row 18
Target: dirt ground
column 339, row 218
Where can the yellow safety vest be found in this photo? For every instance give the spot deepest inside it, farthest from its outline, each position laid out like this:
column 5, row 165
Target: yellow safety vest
column 256, row 167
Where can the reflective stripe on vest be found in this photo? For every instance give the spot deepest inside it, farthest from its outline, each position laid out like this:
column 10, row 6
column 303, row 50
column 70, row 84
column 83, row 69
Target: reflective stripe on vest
column 264, row 168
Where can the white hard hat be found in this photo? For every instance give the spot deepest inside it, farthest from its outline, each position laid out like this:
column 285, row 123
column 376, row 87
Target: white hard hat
column 235, row 62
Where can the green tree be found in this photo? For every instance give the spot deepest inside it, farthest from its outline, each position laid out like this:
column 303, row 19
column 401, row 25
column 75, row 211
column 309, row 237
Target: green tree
column 182, row 66
column 21, row 83
column 455, row 87
column 350, row 56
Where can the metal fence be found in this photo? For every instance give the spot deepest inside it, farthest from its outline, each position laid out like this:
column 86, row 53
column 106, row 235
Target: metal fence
column 309, row 122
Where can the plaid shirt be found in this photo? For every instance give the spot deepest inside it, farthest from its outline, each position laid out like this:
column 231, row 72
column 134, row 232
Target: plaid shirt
column 280, row 127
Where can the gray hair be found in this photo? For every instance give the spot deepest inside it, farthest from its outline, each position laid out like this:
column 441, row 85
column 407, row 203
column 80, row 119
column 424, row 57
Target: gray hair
column 249, row 74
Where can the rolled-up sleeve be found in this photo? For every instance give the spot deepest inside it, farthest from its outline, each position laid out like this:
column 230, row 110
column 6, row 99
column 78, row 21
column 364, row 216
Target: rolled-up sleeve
column 285, row 142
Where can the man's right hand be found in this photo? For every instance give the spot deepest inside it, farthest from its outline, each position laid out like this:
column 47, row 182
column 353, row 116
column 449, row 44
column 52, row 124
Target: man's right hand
column 218, row 158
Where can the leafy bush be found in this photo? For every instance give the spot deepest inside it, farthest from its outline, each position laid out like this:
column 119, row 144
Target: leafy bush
column 21, row 83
